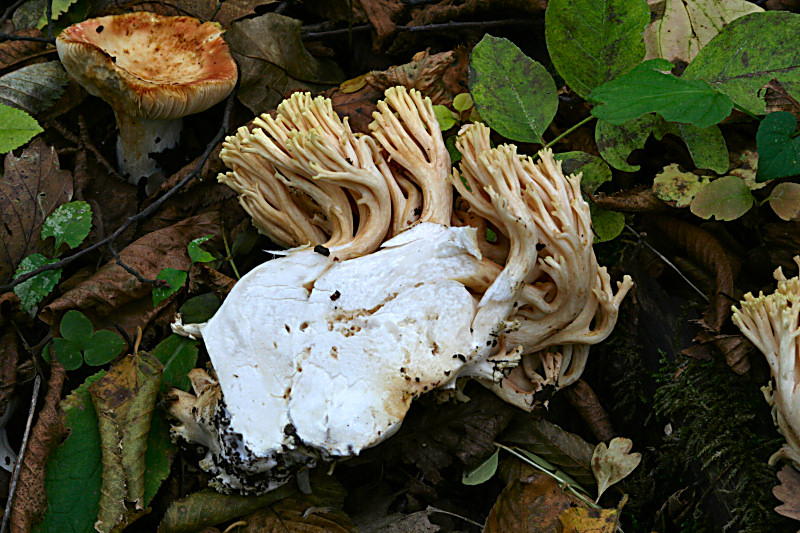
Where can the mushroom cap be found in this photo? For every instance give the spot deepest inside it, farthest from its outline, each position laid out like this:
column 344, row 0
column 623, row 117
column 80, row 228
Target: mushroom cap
column 149, row 65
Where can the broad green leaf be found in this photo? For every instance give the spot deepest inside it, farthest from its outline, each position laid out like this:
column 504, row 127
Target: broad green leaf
column 593, row 42
column 70, row 223
column 76, row 328
column 175, row 279
column 462, row 102
column 778, row 147
column 32, row 291
column 158, row 457
column 196, row 253
column 785, row 201
column 675, row 186
column 747, row 54
column 199, row 308
column 595, row 170
column 726, row 198
column 73, row 470
column 646, row 89
column 483, row 472
column 34, row 88
column 706, row 145
column 16, row 128
column 616, row 143
column 514, row 94
column 104, row 346
column 67, row 353
column 607, row 225
column 178, row 355
column 445, row 117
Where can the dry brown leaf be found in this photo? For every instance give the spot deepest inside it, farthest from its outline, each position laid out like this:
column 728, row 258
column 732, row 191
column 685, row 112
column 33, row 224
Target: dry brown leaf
column 9, row 355
column 583, row 520
column 30, row 499
column 631, row 201
column 735, row 348
column 531, row 503
column 779, row 99
column 611, row 464
column 33, row 185
column 104, row 293
column 788, row 492
column 202, row 275
column 382, row 15
column 297, row 515
column 581, row 396
column 15, row 52
column 418, row 522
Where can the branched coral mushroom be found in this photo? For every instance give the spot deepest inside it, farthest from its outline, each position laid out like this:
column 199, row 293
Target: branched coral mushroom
column 772, row 323
column 387, row 291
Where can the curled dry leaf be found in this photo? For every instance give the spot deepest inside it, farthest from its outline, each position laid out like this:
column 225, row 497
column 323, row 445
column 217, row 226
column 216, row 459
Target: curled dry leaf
column 788, row 492
column 30, row 499
column 631, row 201
column 581, row 396
column 612, row 463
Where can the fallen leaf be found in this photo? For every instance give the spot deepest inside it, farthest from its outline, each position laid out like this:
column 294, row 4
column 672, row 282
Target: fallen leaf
column 726, row 198
column 583, row 520
column 788, row 492
column 585, row 401
column 15, row 52
column 381, row 14
column 33, row 185
column 483, row 472
column 611, row 464
column 778, row 98
column 631, row 201
column 677, row 187
column 418, row 522
column 34, row 88
column 202, row 275
column 9, row 355
column 233, row 10
column 30, row 500
column 785, row 201
column 606, row 225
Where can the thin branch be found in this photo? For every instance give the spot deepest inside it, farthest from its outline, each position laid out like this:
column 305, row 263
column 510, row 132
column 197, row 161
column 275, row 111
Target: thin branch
column 444, row 26
column 141, row 215
column 132, row 271
column 10, row 37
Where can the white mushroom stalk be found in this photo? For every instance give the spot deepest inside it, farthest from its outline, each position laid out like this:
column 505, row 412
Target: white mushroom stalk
column 318, row 354
column 772, row 324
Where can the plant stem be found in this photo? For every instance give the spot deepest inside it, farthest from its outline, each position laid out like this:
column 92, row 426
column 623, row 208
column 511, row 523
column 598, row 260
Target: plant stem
column 569, row 130
column 229, row 256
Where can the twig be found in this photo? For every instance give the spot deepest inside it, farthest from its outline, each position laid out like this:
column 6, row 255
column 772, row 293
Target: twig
column 132, row 271
column 432, row 509
column 229, row 255
column 444, row 26
column 10, row 37
column 141, row 215
column 37, row 382
column 9, row 10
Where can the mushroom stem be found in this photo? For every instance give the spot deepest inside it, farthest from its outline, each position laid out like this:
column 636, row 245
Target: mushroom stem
column 138, row 138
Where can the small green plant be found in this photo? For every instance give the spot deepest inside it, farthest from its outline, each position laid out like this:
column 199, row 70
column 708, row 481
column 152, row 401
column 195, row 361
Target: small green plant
column 80, row 343
column 174, row 278
column 16, row 128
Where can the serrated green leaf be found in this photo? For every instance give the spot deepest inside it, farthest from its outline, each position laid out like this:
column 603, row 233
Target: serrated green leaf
column 595, row 170
column 462, row 102
column 607, row 225
column 67, row 353
column 178, row 355
column 76, row 328
column 34, row 290
column 158, row 457
column 59, row 7
column 199, row 308
column 483, row 472
column 175, row 278
column 16, row 128
column 778, row 147
column 726, row 198
column 70, row 223
column 514, row 94
column 103, row 347
column 445, row 117
column 785, row 201
column 592, row 42
column 616, row 143
column 646, row 89
column 73, row 470
column 747, row 54
column 196, row 253
column 34, row 88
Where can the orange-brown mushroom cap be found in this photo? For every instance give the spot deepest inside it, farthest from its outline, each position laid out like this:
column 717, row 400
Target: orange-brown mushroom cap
column 148, row 65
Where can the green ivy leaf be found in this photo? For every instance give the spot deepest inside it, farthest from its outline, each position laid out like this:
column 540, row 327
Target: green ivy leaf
column 104, row 346
column 747, row 54
column 726, row 198
column 178, row 355
column 32, row 291
column 646, row 89
column 76, row 328
column 607, row 225
column 196, row 253
column 16, row 128
column 778, row 147
column 70, row 223
column 199, row 308
column 785, row 201
column 175, row 279
column 595, row 170
column 67, row 353
column 483, row 473
column 592, row 42
column 514, row 94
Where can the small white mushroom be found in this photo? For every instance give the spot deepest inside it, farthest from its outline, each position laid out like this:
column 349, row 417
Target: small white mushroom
column 152, row 70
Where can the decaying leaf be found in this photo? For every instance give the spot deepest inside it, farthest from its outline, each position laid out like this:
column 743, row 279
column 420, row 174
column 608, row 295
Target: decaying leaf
column 233, row 10
column 585, row 401
column 30, row 500
column 124, row 400
column 14, row 52
column 418, row 522
column 9, row 355
column 788, row 492
column 611, row 464
column 779, row 99
column 34, row 88
column 33, row 185
column 785, row 201
column 725, row 198
column 631, row 201
column 677, row 187
column 583, row 520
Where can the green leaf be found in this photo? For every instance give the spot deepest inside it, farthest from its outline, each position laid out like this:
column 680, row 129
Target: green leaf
column 593, row 42
column 67, row 353
column 607, row 225
column 455, row 155
column 32, row 291
column 445, row 117
column 16, row 128
column 198, row 254
column 158, row 457
column 706, row 145
column 77, row 328
column 646, row 89
column 175, row 278
column 104, row 346
column 70, row 223
column 616, row 143
column 483, row 473
column 462, row 102
column 595, row 170
column 199, row 308
column 785, row 201
column 680, row 188
column 34, row 88
column 178, row 355
column 747, row 54
column 514, row 94
column 59, row 7
column 726, row 198
column 778, row 147
column 73, row 469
